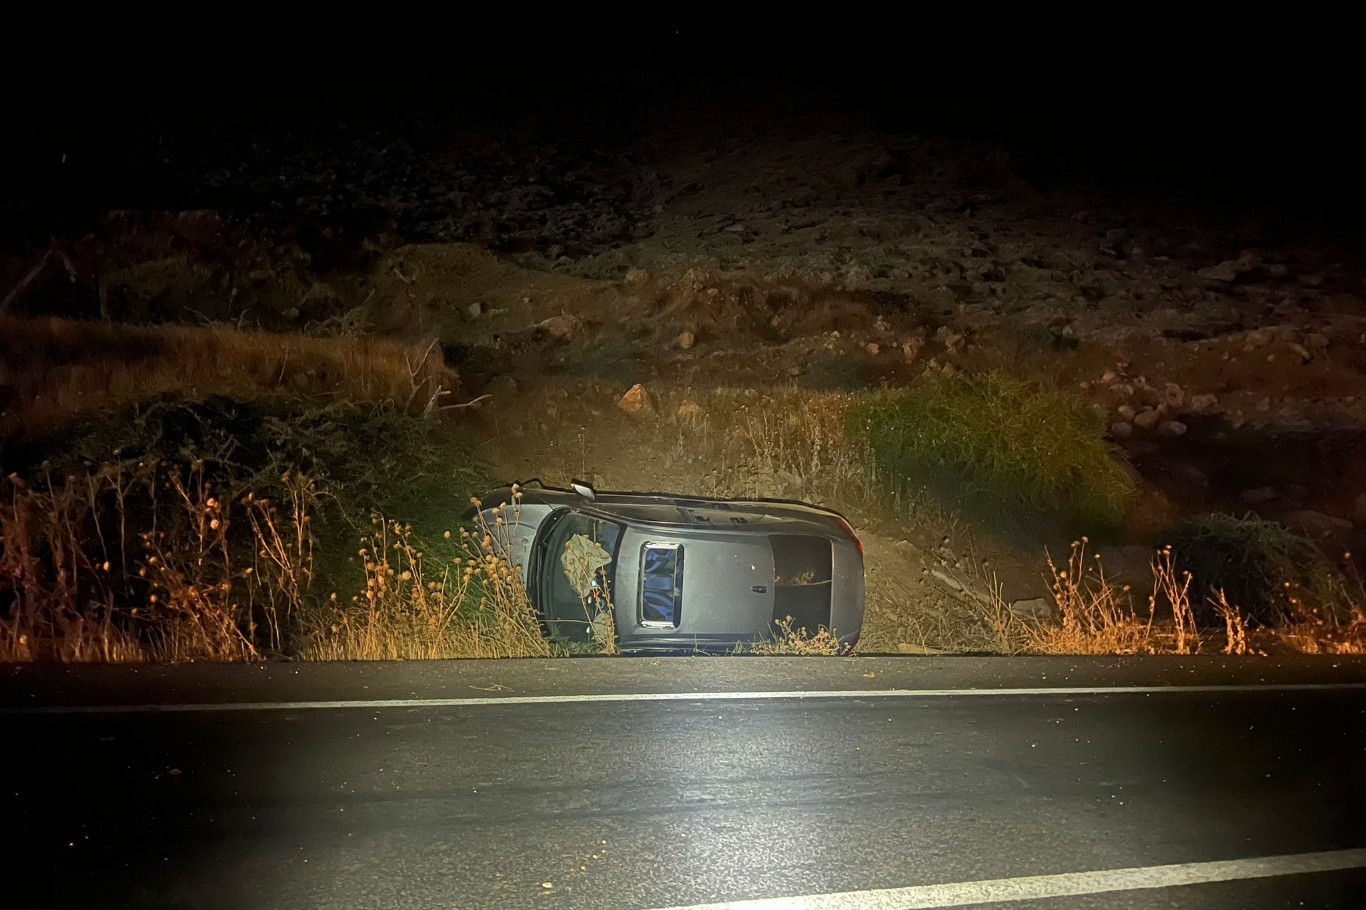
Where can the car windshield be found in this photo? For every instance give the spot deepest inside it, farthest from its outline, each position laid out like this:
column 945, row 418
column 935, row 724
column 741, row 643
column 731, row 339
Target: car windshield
column 578, row 574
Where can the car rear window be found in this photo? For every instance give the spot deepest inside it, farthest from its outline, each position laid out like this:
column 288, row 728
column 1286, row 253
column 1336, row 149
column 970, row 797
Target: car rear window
column 802, row 570
column 661, row 585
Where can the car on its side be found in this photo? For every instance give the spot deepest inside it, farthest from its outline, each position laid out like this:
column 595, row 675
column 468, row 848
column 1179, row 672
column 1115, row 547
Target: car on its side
column 681, row 573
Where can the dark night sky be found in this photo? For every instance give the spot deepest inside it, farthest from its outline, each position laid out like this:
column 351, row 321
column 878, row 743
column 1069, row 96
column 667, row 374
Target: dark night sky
column 1242, row 106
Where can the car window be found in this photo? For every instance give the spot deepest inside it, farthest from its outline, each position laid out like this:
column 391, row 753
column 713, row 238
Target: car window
column 661, row 584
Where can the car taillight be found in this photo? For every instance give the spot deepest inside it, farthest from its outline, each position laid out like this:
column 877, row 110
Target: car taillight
column 849, row 529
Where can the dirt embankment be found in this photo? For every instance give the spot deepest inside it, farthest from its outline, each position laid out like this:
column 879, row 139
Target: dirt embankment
column 809, row 253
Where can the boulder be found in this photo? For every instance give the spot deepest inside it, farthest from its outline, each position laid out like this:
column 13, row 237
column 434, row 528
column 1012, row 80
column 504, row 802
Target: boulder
column 1315, row 524
column 1230, row 269
column 1203, row 404
column 564, row 327
column 1256, row 496
column 1172, row 428
column 1037, row 609
column 637, row 402
column 1147, row 418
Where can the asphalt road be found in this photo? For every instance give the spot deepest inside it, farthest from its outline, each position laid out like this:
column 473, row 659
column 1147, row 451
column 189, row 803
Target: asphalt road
column 652, row 783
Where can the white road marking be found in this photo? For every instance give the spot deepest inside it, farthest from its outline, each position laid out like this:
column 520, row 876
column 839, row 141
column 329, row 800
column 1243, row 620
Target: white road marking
column 1067, row 884
column 382, row 703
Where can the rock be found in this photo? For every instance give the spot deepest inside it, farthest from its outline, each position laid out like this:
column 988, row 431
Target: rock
column 690, row 411
column 686, row 340
column 910, row 349
column 1230, row 269
column 1147, row 418
column 1316, row 342
column 1037, row 609
column 1173, row 396
column 1125, row 411
column 1121, row 430
column 1258, row 495
column 1315, row 524
column 475, row 310
column 637, row 402
column 1203, row 404
column 561, row 328
column 952, row 341
column 1257, row 338
column 795, row 371
column 1301, row 350
column 1172, row 428
column 1311, row 280
column 637, row 277
column 872, row 349
column 947, row 580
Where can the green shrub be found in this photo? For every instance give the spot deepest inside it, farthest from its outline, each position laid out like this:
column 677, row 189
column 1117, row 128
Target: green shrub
column 997, row 446
column 1272, row 575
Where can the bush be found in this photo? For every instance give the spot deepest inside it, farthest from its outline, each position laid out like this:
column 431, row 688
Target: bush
column 999, row 446
column 1272, row 575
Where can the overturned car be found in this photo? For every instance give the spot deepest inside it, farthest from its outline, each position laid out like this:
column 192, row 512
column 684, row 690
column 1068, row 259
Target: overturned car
column 678, row 573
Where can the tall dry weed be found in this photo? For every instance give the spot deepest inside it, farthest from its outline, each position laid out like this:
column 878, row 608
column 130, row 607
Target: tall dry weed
column 416, row 606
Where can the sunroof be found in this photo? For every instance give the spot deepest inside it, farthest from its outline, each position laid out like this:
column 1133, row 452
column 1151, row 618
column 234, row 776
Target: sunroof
column 661, row 585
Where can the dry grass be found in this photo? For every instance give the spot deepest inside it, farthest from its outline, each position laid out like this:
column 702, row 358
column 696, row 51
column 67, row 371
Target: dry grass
column 53, row 370
column 1235, row 626
column 1310, row 633
column 1098, row 616
column 788, row 641
column 778, row 444
column 81, row 584
column 417, row 606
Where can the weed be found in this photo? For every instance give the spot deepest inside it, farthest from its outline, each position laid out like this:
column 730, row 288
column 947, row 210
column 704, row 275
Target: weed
column 798, row 642
column 418, row 604
column 1171, row 594
column 1235, row 626
column 1097, row 616
column 195, row 530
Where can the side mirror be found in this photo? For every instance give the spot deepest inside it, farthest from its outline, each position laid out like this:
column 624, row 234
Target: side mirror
column 583, row 489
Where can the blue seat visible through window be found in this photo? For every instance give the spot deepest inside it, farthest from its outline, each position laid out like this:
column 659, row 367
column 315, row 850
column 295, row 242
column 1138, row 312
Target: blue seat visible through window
column 661, row 593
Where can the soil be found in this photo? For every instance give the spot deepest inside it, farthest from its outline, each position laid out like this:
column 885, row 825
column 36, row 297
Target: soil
column 696, row 254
